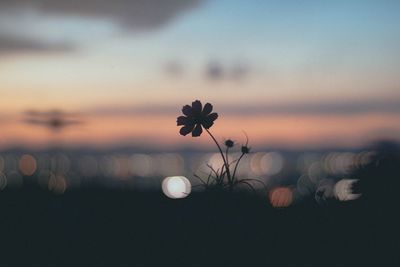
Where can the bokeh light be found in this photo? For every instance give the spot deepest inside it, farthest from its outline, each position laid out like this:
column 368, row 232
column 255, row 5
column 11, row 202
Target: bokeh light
column 88, row 166
column 142, row 165
column 169, row 163
column 315, row 171
column 57, row 184
column 27, row 165
column 271, row 163
column 3, row 181
column 255, row 163
column 281, row 197
column 215, row 161
column 60, row 163
column 305, row 186
column 2, row 163
column 324, row 191
column 305, row 160
column 343, row 190
column 176, row 187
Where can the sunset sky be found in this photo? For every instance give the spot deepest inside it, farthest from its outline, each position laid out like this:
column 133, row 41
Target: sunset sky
column 289, row 73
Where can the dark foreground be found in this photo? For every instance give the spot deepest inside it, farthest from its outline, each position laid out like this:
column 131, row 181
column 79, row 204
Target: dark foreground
column 95, row 226
column 99, row 227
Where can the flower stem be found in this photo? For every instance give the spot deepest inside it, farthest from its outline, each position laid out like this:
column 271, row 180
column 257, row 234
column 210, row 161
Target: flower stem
column 237, row 164
column 227, row 159
column 223, row 158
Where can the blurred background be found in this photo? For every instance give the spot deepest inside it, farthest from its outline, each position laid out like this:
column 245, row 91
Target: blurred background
column 101, row 84
column 89, row 96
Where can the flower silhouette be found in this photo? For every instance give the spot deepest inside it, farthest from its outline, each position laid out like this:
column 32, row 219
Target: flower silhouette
column 245, row 149
column 195, row 118
column 229, row 143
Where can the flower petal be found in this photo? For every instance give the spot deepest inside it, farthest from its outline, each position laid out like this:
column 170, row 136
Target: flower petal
column 197, row 130
column 212, row 116
column 207, row 109
column 207, row 123
column 182, row 120
column 196, row 106
column 187, row 110
column 186, row 129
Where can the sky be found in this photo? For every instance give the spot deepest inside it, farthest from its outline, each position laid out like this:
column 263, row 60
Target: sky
column 288, row 73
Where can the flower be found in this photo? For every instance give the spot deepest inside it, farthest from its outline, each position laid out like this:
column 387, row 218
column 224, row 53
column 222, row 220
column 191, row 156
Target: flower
column 195, row 117
column 229, row 143
column 245, row 149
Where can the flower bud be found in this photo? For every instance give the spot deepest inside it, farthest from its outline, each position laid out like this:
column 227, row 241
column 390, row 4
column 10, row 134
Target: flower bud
column 229, row 143
column 245, row 149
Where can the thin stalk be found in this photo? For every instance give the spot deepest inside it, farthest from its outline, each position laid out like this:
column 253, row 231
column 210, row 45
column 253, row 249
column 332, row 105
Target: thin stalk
column 222, row 173
column 226, row 155
column 201, row 180
column 255, row 180
column 223, row 157
column 228, row 164
column 237, row 164
column 213, row 170
column 249, row 185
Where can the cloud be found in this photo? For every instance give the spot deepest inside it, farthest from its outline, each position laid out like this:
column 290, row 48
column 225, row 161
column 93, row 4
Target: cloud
column 174, row 68
column 320, row 109
column 239, row 71
column 130, row 14
column 216, row 71
column 12, row 44
column 53, row 119
column 213, row 71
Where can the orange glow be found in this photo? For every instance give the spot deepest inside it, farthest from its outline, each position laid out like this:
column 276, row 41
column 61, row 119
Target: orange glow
column 27, row 165
column 161, row 130
column 57, row 184
column 281, row 197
